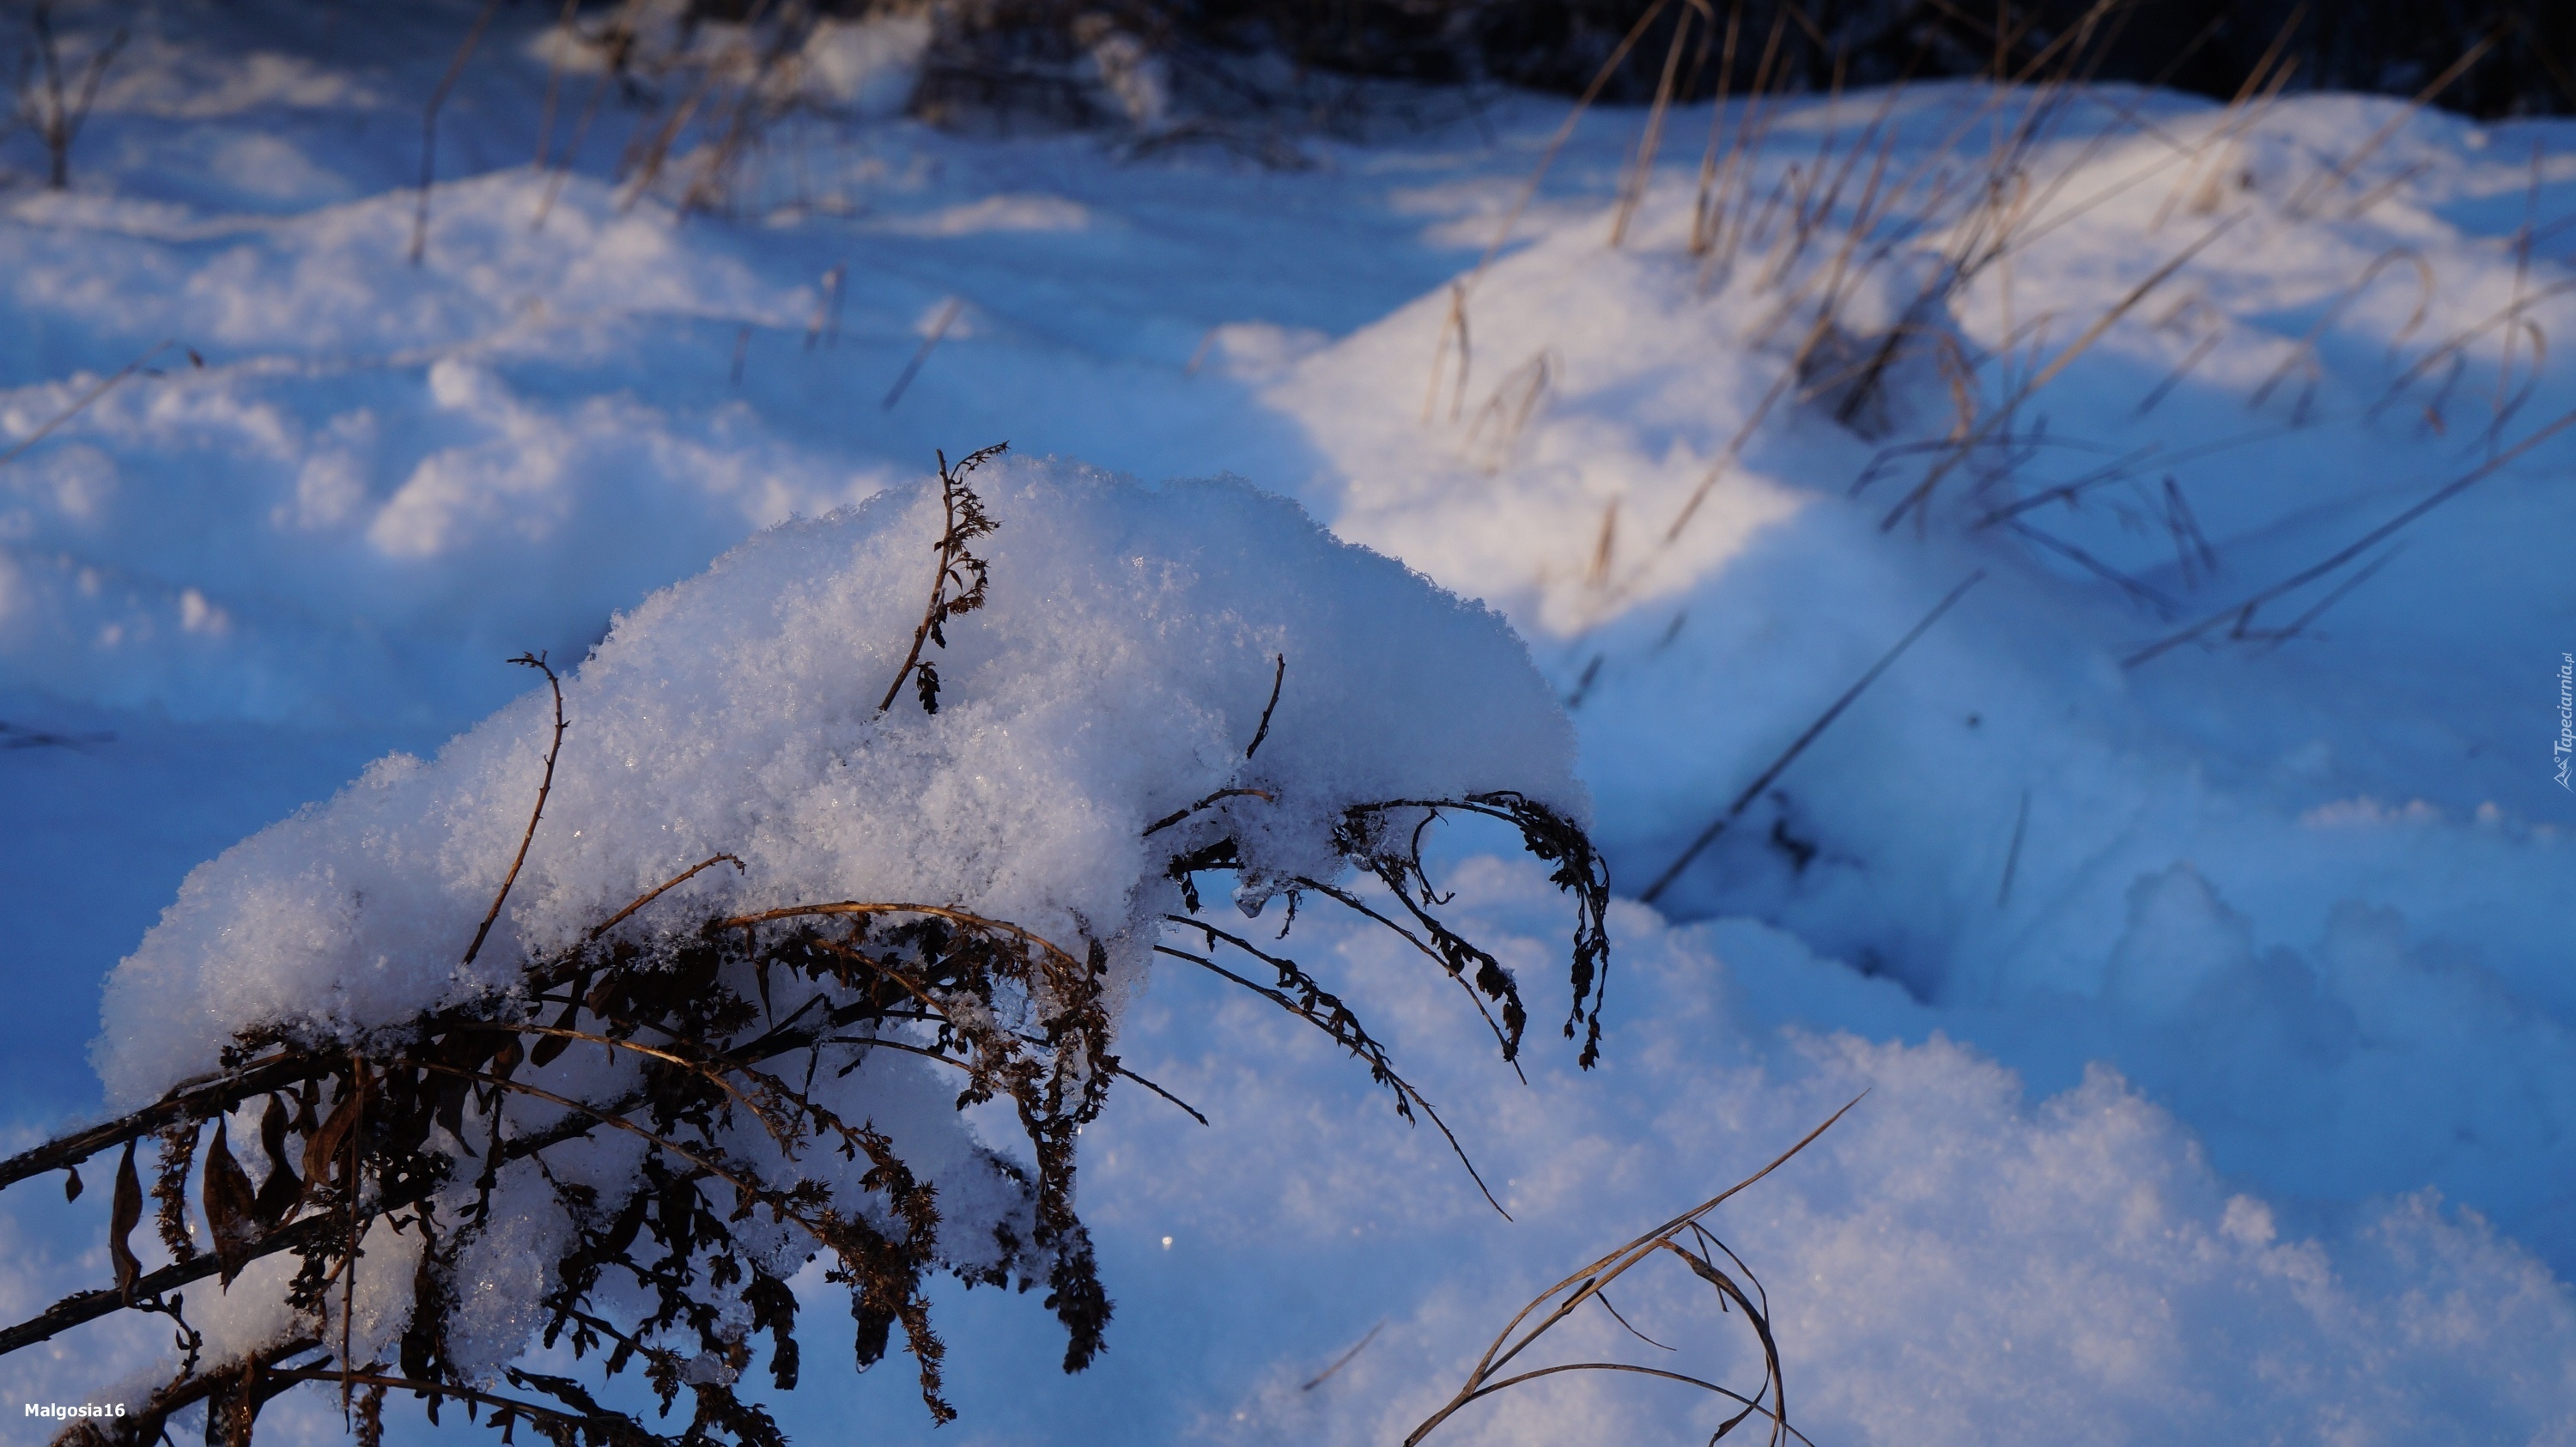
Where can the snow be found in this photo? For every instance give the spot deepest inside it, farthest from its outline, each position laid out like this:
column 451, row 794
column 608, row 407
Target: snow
column 2213, row 1007
column 1118, row 672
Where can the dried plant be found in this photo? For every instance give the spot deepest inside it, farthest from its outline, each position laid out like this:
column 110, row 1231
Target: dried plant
column 958, row 584
column 1591, row 1283
column 711, row 1037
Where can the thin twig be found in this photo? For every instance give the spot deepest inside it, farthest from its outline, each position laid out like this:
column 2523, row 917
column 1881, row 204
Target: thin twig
column 1343, row 1360
column 939, row 328
column 103, row 387
column 657, row 891
column 1277, row 677
column 545, row 786
column 429, row 127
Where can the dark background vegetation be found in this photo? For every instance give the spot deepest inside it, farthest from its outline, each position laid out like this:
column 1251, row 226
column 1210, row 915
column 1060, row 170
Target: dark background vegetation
column 2213, row 47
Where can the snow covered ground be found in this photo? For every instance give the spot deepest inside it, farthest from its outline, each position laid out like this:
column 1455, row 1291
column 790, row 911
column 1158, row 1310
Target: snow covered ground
column 2214, row 1002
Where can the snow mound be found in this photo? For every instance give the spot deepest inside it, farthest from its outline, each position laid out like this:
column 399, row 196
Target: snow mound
column 2294, row 879
column 1961, row 1259
column 1119, row 672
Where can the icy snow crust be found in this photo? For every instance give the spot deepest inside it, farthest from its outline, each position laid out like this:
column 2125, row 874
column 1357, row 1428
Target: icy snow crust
column 1117, row 673
column 2304, row 896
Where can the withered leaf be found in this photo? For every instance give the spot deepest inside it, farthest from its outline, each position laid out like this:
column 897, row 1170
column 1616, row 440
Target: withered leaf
column 322, row 1153
column 71, row 1183
column 550, row 1046
column 232, row 1209
column 282, row 1191
column 125, row 1213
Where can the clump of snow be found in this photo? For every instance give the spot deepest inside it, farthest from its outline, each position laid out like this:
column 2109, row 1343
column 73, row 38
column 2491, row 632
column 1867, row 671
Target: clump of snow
column 1117, row 675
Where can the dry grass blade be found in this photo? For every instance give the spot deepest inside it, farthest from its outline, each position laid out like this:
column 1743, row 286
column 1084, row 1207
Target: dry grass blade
column 929, row 342
column 2306, row 346
column 619, row 44
column 1701, row 235
column 1339, row 1362
column 1556, row 143
column 2317, row 187
column 2163, row 606
column 104, row 386
column 1633, row 191
column 429, row 127
column 2068, row 492
column 2455, row 347
column 2232, row 122
column 554, row 750
column 1461, row 290
column 1589, row 1282
column 1920, row 497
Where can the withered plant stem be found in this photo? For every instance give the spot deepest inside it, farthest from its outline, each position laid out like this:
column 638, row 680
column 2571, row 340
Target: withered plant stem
column 657, row 891
column 938, row 328
column 1589, row 1281
column 1921, row 495
column 1278, row 677
column 1633, row 193
column 545, row 786
column 429, row 127
column 952, row 548
column 104, row 386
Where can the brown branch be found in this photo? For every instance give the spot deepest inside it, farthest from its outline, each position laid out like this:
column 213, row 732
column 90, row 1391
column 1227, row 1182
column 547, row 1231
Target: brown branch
column 975, row 921
column 1277, row 677
column 198, row 1103
column 1177, row 815
column 616, row 1421
column 1511, row 1048
column 657, row 891
column 1361, row 1045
